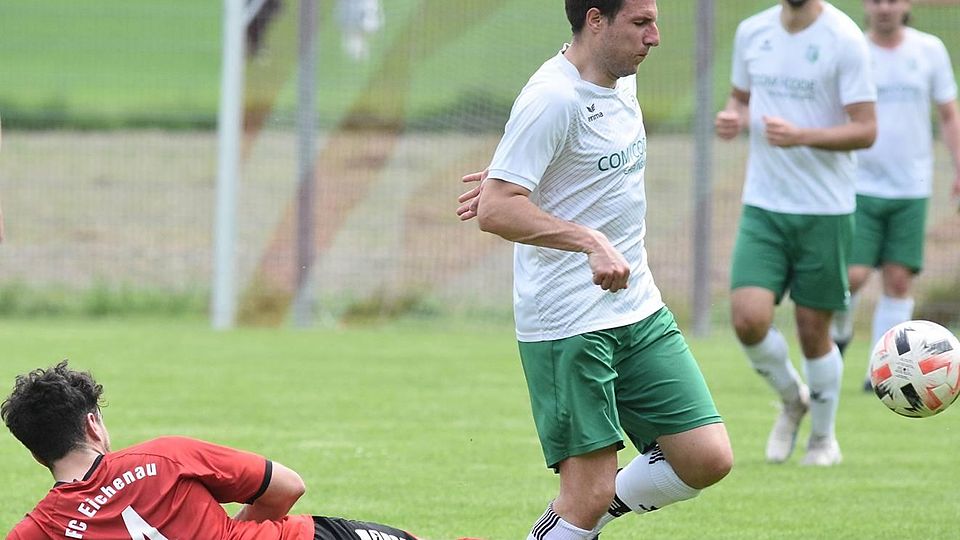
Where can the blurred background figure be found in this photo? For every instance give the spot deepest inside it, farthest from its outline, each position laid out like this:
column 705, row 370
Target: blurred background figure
column 359, row 19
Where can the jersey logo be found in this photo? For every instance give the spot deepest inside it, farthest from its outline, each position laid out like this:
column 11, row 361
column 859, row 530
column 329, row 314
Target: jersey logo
column 766, row 46
column 592, row 108
column 813, row 53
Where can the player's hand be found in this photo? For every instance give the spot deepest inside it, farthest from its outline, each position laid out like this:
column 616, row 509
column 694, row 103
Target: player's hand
column 470, row 200
column 780, row 132
column 610, row 270
column 727, row 124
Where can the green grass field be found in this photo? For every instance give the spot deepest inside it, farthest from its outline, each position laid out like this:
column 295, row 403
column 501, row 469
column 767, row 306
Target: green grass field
column 118, row 63
column 426, row 425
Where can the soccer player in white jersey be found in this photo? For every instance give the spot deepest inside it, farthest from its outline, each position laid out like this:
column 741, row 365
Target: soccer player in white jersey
column 894, row 176
column 802, row 84
column 601, row 353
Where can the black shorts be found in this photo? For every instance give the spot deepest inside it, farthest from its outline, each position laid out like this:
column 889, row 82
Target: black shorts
column 328, row 528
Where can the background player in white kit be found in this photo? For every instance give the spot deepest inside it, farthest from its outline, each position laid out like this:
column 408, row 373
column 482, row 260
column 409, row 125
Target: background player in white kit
column 802, row 83
column 894, row 177
column 600, row 351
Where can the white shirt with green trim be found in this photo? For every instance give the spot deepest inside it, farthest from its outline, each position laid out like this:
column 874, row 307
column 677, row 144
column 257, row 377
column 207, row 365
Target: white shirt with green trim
column 806, row 78
column 581, row 150
column 909, row 77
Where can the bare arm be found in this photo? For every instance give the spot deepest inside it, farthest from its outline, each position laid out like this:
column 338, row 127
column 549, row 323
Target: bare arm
column 285, row 488
column 950, row 126
column 505, row 209
column 735, row 117
column 860, row 132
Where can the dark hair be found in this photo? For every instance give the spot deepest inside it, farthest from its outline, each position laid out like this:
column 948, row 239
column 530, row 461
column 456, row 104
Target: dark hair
column 46, row 410
column 577, row 11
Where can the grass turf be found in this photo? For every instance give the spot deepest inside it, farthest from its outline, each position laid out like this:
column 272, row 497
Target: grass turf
column 426, row 426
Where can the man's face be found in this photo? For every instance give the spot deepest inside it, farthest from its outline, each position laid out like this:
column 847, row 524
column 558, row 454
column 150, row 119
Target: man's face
column 628, row 37
column 886, row 16
column 797, row 3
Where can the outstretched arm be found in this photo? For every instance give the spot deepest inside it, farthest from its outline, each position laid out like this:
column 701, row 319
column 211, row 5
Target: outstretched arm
column 284, row 489
column 950, row 126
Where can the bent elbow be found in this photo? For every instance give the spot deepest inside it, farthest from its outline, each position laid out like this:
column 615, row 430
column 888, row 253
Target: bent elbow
column 870, row 137
column 298, row 489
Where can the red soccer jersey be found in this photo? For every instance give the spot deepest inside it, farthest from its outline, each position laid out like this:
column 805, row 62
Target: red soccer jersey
column 166, row 489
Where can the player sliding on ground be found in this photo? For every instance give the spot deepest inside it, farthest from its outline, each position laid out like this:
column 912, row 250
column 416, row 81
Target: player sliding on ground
column 167, row 488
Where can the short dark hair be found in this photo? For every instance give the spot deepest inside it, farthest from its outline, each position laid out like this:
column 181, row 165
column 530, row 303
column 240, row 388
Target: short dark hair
column 46, row 410
column 577, row 11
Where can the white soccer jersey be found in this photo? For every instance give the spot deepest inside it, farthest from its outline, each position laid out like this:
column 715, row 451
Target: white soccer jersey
column 581, row 151
column 909, row 77
column 806, row 78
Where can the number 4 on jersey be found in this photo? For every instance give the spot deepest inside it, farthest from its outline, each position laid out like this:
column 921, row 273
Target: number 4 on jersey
column 138, row 528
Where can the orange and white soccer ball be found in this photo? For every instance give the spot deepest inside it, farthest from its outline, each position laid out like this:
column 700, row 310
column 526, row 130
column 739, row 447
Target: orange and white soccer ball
column 915, row 369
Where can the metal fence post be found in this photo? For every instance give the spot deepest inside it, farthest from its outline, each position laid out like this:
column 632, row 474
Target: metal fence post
column 703, row 168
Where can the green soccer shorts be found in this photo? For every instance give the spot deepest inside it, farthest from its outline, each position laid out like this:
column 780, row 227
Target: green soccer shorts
column 889, row 231
column 586, row 390
column 805, row 254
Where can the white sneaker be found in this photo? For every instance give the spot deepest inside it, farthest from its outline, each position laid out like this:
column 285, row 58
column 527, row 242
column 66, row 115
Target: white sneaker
column 822, row 451
column 783, row 436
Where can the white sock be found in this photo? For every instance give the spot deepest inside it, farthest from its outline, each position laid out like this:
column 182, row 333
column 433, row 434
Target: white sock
column 841, row 327
column 823, row 376
column 551, row 526
column 646, row 484
column 770, row 358
column 890, row 312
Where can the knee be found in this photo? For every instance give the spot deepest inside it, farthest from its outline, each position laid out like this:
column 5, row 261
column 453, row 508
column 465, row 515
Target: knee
column 857, row 276
column 711, row 466
column 749, row 326
column 898, row 288
column 586, row 503
column 598, row 500
column 715, row 467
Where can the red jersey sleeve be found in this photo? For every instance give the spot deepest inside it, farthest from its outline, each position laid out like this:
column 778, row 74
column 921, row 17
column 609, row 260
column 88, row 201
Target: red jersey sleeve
column 230, row 475
column 26, row 530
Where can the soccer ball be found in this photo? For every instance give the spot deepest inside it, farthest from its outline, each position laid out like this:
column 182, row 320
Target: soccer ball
column 915, row 369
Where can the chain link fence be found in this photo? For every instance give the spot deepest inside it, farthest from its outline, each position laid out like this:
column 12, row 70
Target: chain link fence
column 109, row 156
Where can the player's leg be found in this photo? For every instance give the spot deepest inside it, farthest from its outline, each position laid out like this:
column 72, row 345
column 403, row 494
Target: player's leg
column 761, row 268
column 841, row 326
column 586, row 489
column 823, row 368
column 870, row 221
column 820, row 288
column 902, row 258
column 571, row 384
column 895, row 305
column 334, row 528
column 667, row 410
